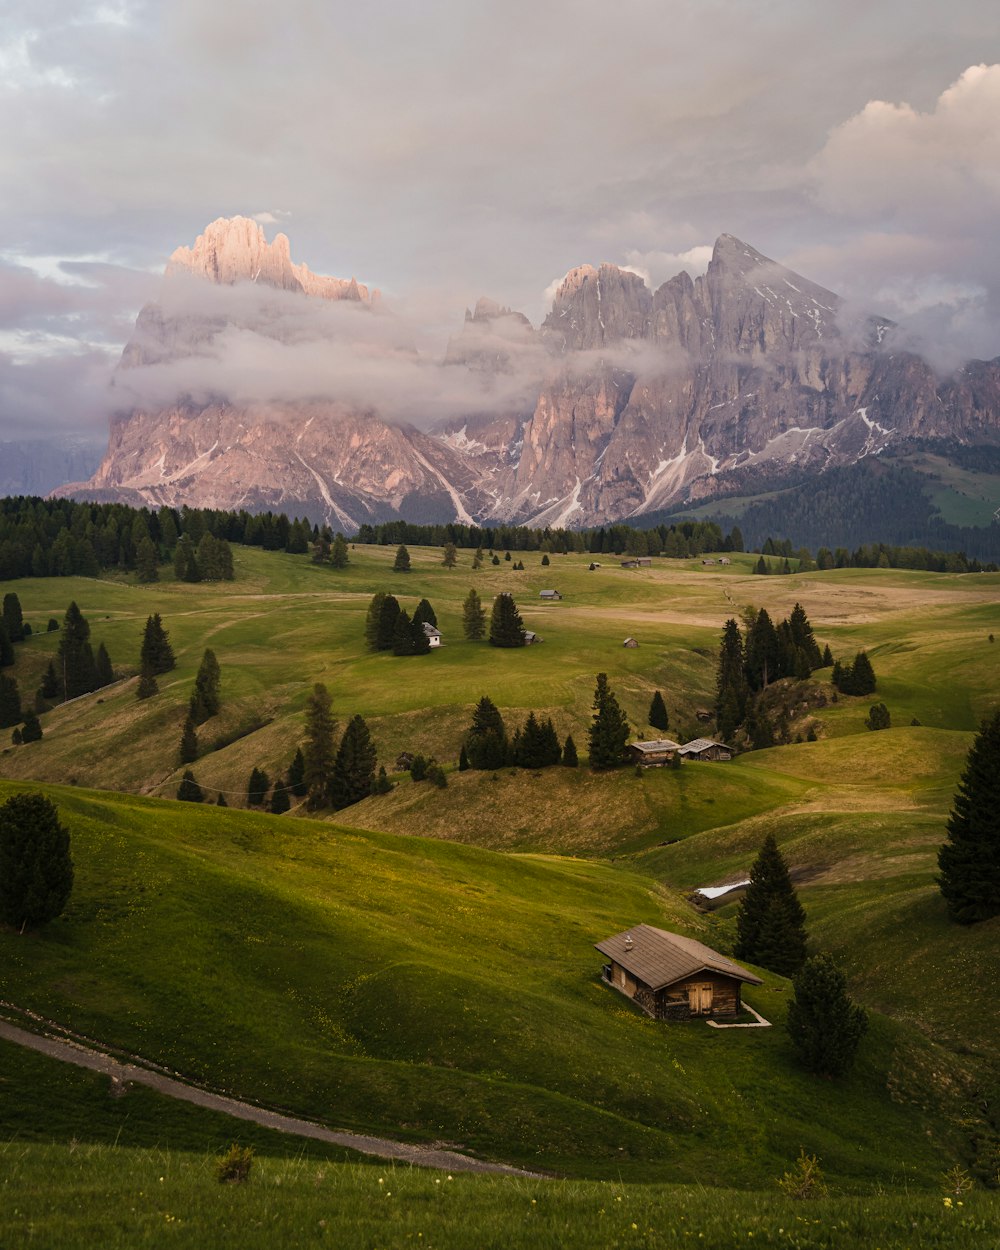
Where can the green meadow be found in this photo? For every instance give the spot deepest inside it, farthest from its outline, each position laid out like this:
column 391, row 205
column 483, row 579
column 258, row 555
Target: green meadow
column 421, row 965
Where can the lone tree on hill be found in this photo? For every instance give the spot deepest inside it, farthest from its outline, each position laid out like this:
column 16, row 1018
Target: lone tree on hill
column 449, row 559
column 658, row 717
column 31, row 731
column 339, row 559
column 156, row 653
column 318, row 751
column 770, row 924
column 970, row 859
column 189, row 791
column 878, row 717
column 354, row 765
column 206, row 701
column 608, row 732
column 825, row 1026
column 401, row 564
column 257, row 787
column 506, row 626
column 473, row 617
column 36, row 871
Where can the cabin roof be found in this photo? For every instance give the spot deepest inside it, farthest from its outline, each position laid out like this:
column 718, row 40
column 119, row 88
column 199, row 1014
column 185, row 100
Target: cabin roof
column 696, row 745
column 658, row 958
column 656, row 744
column 430, row 630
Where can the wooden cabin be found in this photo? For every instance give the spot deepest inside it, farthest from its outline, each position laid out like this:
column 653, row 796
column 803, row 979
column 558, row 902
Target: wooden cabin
column 630, row 642
column 549, row 594
column 655, row 753
column 673, row 977
column 433, row 634
column 705, row 749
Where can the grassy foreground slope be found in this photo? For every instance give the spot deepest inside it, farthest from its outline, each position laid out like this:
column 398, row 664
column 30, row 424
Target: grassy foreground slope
column 440, row 992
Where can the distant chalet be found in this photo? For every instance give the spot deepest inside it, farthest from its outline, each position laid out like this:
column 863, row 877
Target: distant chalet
column 549, row 594
column 432, row 634
column 654, row 753
column 638, row 562
column 705, row 749
column 672, row 977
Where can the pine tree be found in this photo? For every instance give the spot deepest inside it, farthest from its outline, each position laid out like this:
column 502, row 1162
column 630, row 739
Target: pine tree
column 473, row 617
column 658, row 717
column 388, row 614
column 878, row 717
column 763, row 661
column 463, row 760
column 827, row 657
column 12, row 617
column 221, row 800
column 418, row 769
column 147, row 686
column 401, row 564
column 36, row 870
column 424, row 612
column 608, row 732
column 528, row 752
column 420, row 644
column 10, row 702
column 185, row 562
column 187, row 752
column 373, row 621
column 486, row 739
column 824, row 1024
column 477, row 559
column 569, row 755
column 970, row 859
column 297, row 774
column 402, row 635
column 449, row 560
column 6, row 647
column 381, row 784
column 257, row 787
column 770, row 924
column 156, row 653
column 803, row 637
column 104, row 674
column 147, row 561
column 339, row 558
column 318, row 751
column 280, row 802
column 31, row 730
column 549, row 749
column 49, row 689
column 506, row 626
column 761, row 566
column 545, row 560
column 354, row 765
column 189, row 791
column 75, row 657
column 495, row 559
column 863, row 675
column 206, row 701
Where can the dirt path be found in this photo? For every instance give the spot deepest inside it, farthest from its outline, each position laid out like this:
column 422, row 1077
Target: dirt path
column 129, row 1073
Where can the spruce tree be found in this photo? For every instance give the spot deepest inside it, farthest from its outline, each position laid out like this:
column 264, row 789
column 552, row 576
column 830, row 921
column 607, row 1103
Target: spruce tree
column 156, row 653
column 187, row 751
column 402, row 634
column 318, row 750
column 608, row 732
column 373, row 621
column 549, row 749
column 280, row 802
column 824, row 1024
column 863, row 675
column 36, row 870
column 401, row 564
column 970, row 859
column 104, row 674
column 185, row 561
column 354, row 765
column 297, row 774
column 339, row 558
column 6, row 647
column 75, row 657
column 528, row 751
column 506, row 626
column 147, row 686
column 827, row 657
column 424, row 612
column 569, row 755
column 10, row 702
column 545, row 560
column 486, row 739
column 477, row 559
column 731, row 685
column 147, row 561
column 31, row 730
column 802, row 636
column 257, row 787
column 878, row 717
column 49, row 689
column 449, row 559
column 473, row 617
column 382, row 784
column 763, row 655
column 463, row 760
column 388, row 613
column 206, row 700
column 221, row 800
column 658, row 717
column 420, row 644
column 189, row 791
column 12, row 617
column 770, row 924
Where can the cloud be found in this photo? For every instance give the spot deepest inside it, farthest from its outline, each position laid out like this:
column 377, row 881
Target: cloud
column 657, row 267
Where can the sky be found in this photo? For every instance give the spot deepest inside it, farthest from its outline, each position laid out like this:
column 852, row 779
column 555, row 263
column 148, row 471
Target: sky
column 449, row 149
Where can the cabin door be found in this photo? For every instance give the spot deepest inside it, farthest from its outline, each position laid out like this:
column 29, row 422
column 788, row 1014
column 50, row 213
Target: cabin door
column 700, row 999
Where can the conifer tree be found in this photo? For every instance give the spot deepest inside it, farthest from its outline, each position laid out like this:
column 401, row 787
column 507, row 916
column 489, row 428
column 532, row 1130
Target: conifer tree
column 354, row 765
column 156, row 653
column 824, row 1024
column 280, row 802
column 187, row 752
column 206, row 701
column 147, row 561
column 6, row 647
column 189, row 791
column 658, row 717
column 496, row 559
column 147, row 685
column 339, row 558
column 473, row 617
column 549, row 749
column 569, row 755
column 401, row 564
column 381, row 784
column 49, row 689
column 12, row 617
column 803, row 637
column 477, row 559
column 31, row 730
column 827, row 657
column 75, row 657
column 257, row 787
column 388, row 614
column 878, row 717
column 185, row 562
column 424, row 612
column 318, row 751
column 10, row 702
column 221, row 800
column 862, row 675
column 486, row 739
column 449, row 559
column 528, row 748
column 373, row 621
column 297, row 774
column 506, row 626
column 608, row 732
column 36, row 870
column 104, row 674
column 763, row 661
column 402, row 634
column 420, row 644
column 545, row 559
column 463, row 760
column 770, row 924
column 970, row 859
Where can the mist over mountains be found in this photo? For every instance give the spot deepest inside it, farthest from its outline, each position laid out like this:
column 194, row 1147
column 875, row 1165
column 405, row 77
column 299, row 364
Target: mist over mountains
column 252, row 382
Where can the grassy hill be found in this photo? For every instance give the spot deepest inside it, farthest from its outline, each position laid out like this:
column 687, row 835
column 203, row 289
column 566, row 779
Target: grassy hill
column 440, row 992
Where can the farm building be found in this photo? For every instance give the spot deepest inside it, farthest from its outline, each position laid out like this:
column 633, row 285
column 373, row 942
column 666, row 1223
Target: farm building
column 630, row 642
column 724, row 560
column 530, row 637
column 656, row 752
column 549, row 594
column 433, row 634
column 638, row 562
column 672, row 977
column 705, row 749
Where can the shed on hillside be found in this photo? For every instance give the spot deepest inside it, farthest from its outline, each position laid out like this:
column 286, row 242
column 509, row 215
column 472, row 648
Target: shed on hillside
column 673, row 977
column 530, row 638
column 654, row 753
column 705, row 749
column 433, row 634
column 630, row 642
column 549, row 594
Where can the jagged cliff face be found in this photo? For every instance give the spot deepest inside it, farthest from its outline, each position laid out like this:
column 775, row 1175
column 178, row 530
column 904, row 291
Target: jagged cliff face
column 624, row 401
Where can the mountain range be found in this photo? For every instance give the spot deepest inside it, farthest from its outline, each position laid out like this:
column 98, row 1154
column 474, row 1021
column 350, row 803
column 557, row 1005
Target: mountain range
column 253, row 383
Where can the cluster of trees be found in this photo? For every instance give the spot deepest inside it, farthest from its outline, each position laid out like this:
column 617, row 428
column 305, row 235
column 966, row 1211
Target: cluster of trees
column 388, row 627
column 824, row 1025
column 205, row 702
column 487, row 744
column 156, row 656
column 330, row 550
column 750, row 660
column 210, row 561
column 335, row 776
column 856, row 678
